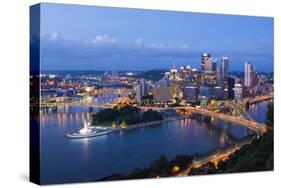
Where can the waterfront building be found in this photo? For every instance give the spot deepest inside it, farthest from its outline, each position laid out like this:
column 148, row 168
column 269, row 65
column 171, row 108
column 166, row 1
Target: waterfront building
column 191, row 94
column 238, row 92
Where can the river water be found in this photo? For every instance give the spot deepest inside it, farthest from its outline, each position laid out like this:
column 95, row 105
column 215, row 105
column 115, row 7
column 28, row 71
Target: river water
column 72, row 160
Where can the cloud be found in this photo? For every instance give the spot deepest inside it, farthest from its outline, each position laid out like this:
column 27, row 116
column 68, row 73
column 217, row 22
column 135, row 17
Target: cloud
column 139, row 41
column 104, row 45
column 55, row 36
column 107, row 52
column 104, row 39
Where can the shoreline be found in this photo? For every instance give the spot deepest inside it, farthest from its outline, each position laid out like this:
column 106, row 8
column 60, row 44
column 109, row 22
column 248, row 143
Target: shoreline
column 199, row 160
column 110, row 130
column 148, row 124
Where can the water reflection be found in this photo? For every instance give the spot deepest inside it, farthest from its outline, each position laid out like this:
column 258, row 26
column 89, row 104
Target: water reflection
column 84, row 159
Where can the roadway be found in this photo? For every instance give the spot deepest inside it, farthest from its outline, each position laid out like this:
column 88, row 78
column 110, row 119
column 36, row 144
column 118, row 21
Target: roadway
column 259, row 127
column 215, row 158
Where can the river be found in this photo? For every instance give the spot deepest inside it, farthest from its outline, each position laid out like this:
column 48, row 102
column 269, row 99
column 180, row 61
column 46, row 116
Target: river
column 71, row 160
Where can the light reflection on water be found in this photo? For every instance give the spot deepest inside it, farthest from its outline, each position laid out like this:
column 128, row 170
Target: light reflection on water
column 65, row 160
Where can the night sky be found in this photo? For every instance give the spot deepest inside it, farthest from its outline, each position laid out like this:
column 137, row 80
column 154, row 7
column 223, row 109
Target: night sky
column 97, row 38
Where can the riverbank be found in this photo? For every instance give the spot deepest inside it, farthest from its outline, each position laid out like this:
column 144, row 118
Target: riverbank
column 109, row 130
column 148, row 124
column 180, row 162
column 139, row 147
column 215, row 156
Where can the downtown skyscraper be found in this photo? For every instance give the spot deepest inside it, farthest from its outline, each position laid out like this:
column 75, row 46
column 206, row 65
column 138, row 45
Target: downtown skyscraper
column 222, row 72
column 249, row 75
column 208, row 70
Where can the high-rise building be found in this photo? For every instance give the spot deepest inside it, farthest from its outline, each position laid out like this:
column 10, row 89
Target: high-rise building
column 143, row 87
column 174, row 74
column 249, row 75
column 238, row 92
column 141, row 90
column 138, row 94
column 219, row 76
column 204, row 60
column 162, row 91
column 218, row 92
column 208, row 70
column 222, row 73
column 224, row 68
column 184, row 72
column 194, row 78
column 230, row 87
column 207, row 92
column 191, row 94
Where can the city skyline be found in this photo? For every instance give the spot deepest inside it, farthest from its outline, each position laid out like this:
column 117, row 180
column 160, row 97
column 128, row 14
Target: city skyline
column 82, row 41
column 195, row 95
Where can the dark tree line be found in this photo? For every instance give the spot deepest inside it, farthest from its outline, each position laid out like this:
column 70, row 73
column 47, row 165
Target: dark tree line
column 162, row 167
column 125, row 114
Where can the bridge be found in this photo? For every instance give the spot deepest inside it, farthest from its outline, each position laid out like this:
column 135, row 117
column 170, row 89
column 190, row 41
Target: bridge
column 244, row 118
column 255, row 126
column 85, row 104
column 260, row 98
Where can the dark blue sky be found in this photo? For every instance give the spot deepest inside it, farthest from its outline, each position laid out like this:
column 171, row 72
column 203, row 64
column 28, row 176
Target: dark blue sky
column 98, row 38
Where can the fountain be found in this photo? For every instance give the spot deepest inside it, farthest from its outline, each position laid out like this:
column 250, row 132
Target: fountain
column 87, row 131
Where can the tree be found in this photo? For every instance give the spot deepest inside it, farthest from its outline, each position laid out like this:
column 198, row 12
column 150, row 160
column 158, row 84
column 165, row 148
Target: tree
column 160, row 167
column 270, row 115
column 123, row 124
column 151, row 115
column 113, row 124
column 182, row 161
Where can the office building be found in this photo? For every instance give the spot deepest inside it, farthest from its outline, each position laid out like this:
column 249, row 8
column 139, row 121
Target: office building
column 191, row 94
column 218, row 92
column 162, row 91
column 208, row 70
column 249, row 75
column 238, row 92
column 230, row 88
column 141, row 91
column 206, row 92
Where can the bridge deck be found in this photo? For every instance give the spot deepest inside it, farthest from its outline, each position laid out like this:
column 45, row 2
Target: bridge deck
column 261, row 128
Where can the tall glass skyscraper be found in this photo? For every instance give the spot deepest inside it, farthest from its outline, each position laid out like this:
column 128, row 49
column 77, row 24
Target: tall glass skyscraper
column 208, row 70
column 249, row 74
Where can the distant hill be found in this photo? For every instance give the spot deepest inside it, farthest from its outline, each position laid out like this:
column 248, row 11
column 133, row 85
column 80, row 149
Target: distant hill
column 154, row 75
